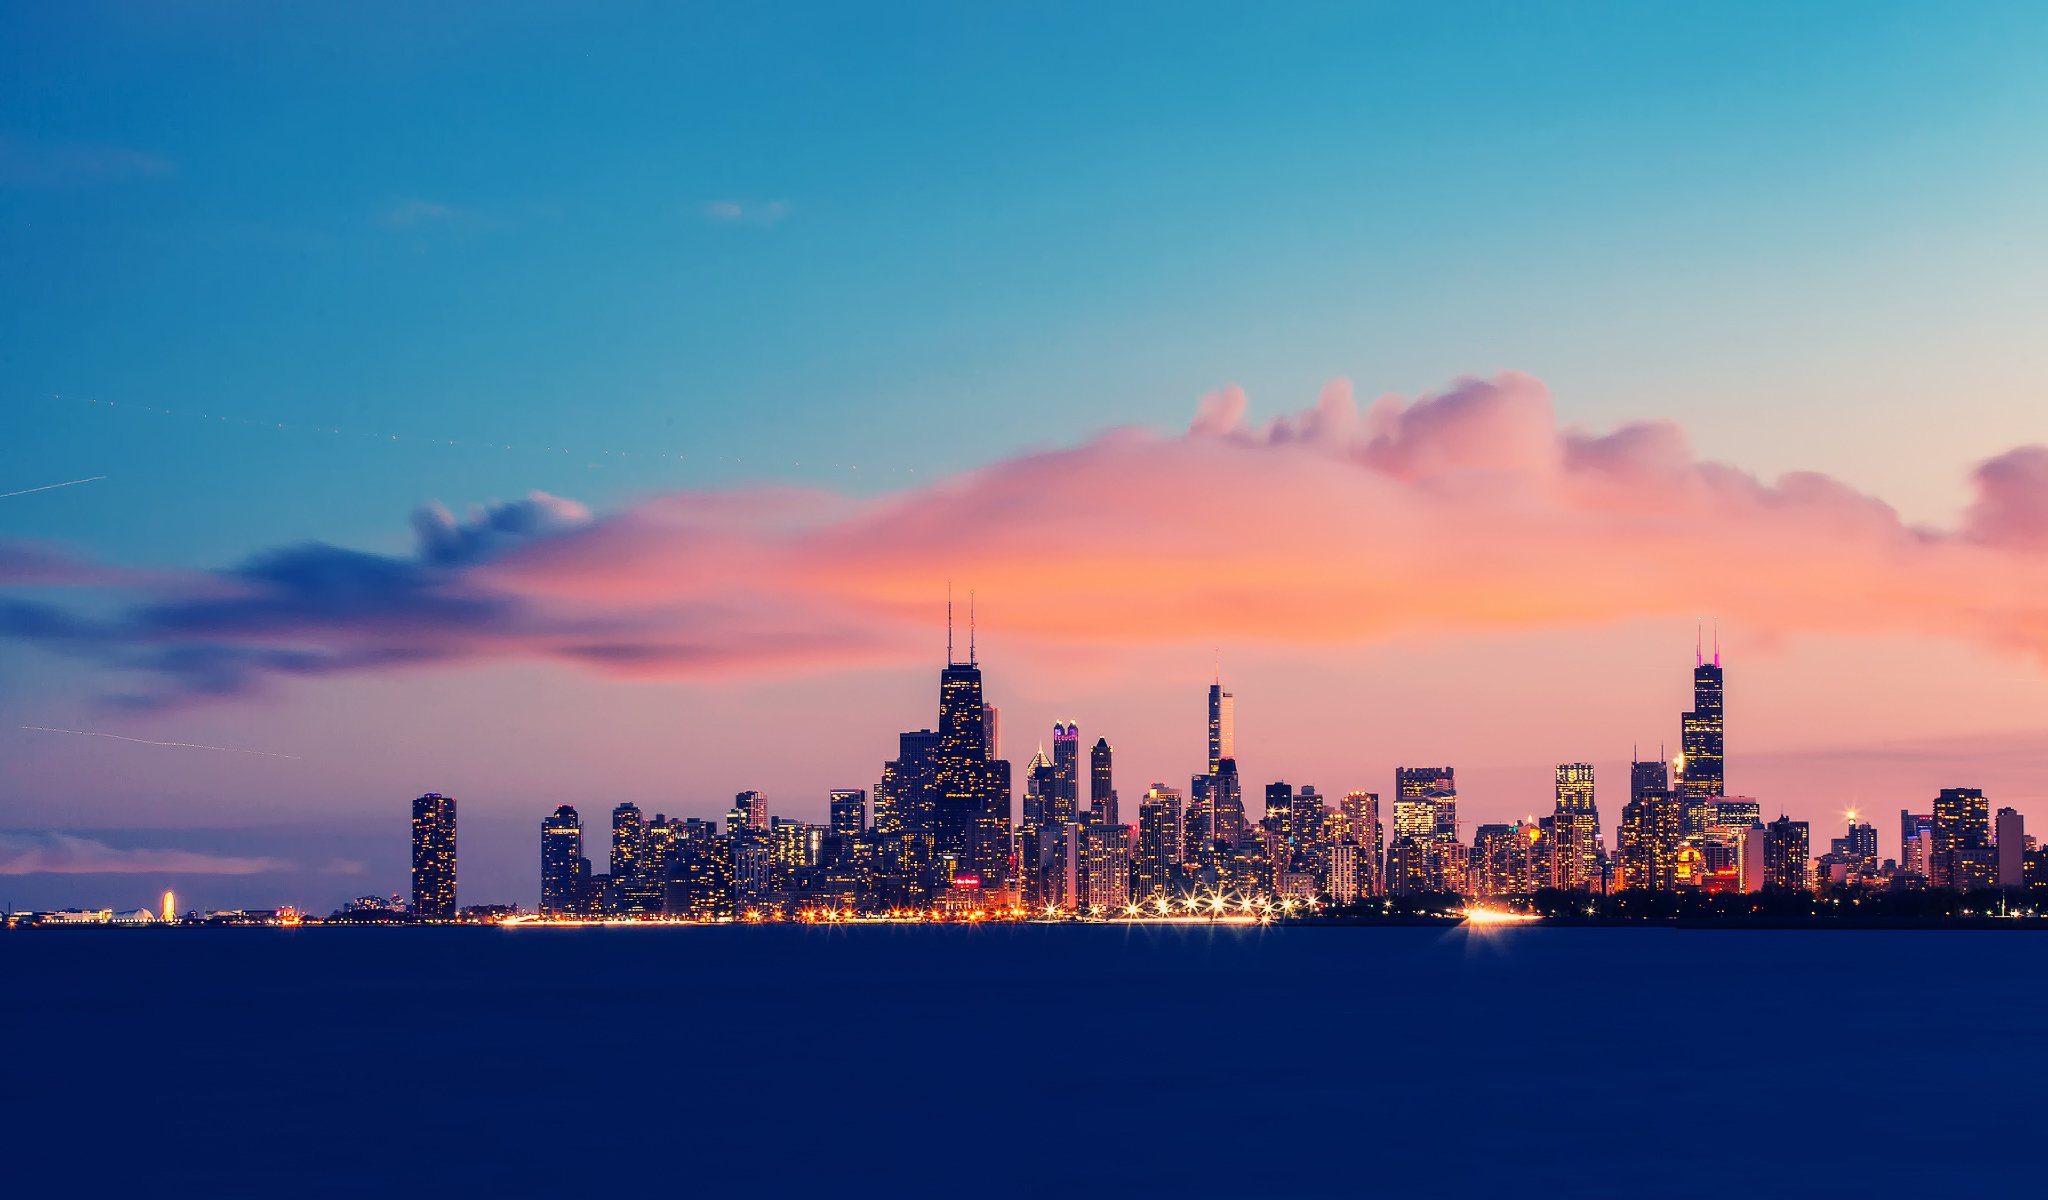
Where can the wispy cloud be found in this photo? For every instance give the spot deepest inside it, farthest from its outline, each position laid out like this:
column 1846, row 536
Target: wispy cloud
column 1468, row 510
column 413, row 211
column 67, row 854
column 746, row 212
column 26, row 163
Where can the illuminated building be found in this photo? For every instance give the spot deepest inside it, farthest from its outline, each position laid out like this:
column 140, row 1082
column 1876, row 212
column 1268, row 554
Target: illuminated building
column 1575, row 828
column 1425, row 832
column 1499, row 862
column 563, row 869
column 629, row 840
column 1785, row 855
column 1702, row 731
column 170, row 906
column 1859, row 848
column 1226, row 804
column 1222, row 724
column 1340, row 869
column 1916, row 842
column 1101, row 787
column 701, row 885
column 906, row 813
column 1362, row 822
column 992, row 720
column 1962, row 832
column 749, row 813
column 1154, row 871
column 433, row 857
column 849, row 815
column 1107, row 865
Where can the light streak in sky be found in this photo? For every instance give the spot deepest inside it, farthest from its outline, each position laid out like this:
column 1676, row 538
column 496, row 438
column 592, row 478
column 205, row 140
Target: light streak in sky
column 146, row 742
column 52, row 486
column 387, row 438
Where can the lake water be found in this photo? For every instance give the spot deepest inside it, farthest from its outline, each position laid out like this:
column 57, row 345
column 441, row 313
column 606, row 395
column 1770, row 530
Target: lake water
column 1040, row 1061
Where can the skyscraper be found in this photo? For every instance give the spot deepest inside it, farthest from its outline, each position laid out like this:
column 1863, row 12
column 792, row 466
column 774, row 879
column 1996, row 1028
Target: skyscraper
column 1962, row 833
column 1157, row 864
column 1785, row 855
column 2012, row 849
column 563, row 869
column 1362, row 821
column 1575, row 857
column 1101, row 787
column 433, row 857
column 629, row 841
column 1066, row 765
column 751, row 810
column 1430, row 857
column 1222, row 723
column 1701, row 740
column 849, row 809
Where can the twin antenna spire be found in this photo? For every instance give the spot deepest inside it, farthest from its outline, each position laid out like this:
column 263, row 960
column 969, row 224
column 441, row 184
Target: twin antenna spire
column 949, row 626
column 1699, row 645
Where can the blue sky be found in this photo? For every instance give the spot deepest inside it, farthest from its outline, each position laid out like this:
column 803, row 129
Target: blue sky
column 862, row 247
column 964, row 233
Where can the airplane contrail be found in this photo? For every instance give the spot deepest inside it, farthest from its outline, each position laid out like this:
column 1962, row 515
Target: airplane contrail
column 146, row 742
column 52, row 486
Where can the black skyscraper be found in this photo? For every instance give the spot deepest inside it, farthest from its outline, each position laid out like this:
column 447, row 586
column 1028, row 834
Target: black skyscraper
column 1703, row 775
column 1101, row 788
column 433, row 857
column 563, row 869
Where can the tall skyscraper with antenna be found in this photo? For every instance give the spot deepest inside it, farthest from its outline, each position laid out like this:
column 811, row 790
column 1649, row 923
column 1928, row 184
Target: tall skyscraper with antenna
column 1701, row 731
column 973, row 818
column 1222, row 722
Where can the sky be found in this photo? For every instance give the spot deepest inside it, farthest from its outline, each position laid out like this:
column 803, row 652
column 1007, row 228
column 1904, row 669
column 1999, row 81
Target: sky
column 574, row 404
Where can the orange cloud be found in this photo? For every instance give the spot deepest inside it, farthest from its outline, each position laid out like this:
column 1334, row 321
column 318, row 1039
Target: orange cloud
column 1466, row 510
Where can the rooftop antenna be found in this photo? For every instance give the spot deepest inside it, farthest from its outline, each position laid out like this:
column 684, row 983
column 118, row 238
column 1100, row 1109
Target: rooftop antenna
column 1219, row 666
column 1717, row 641
column 970, row 630
column 949, row 622
column 1699, row 658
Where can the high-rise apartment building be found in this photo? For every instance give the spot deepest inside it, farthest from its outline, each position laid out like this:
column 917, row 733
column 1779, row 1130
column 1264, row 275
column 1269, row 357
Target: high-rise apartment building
column 433, row 857
column 563, row 869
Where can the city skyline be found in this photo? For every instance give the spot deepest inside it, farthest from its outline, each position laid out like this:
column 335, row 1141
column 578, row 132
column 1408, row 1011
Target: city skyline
column 945, row 816
column 625, row 451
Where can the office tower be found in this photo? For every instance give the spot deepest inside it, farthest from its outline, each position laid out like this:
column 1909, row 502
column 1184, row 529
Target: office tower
column 629, row 845
column 563, row 869
column 1226, row 804
column 849, row 820
column 972, row 829
column 749, row 813
column 1575, row 859
column 433, row 857
column 1222, row 723
column 1500, row 863
column 1066, row 766
column 701, row 878
column 1785, row 855
column 1154, row 871
column 1422, row 855
column 1361, row 812
column 1101, row 787
column 1107, row 862
column 1701, row 732
column 1752, row 860
column 2012, row 849
column 1916, row 842
column 1962, row 832
column 1859, row 847
column 992, row 720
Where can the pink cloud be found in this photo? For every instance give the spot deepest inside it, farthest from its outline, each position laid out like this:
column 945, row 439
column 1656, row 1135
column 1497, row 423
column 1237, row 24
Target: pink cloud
column 1466, row 510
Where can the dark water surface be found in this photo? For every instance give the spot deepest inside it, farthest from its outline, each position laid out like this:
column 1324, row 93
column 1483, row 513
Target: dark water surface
column 1034, row 1061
